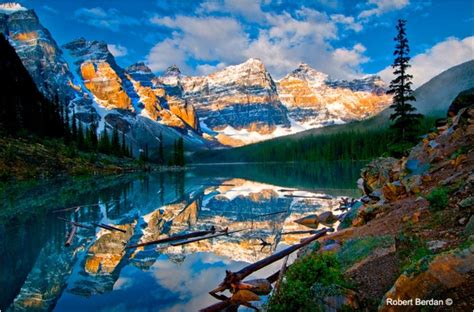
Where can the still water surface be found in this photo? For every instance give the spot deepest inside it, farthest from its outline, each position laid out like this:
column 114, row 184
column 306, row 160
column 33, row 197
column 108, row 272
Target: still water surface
column 38, row 273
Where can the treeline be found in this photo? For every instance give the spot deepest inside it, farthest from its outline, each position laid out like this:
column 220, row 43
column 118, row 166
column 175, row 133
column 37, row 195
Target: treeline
column 85, row 138
column 350, row 145
column 175, row 158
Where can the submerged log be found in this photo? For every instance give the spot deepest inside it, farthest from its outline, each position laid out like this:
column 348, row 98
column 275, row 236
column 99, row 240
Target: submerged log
column 71, row 236
column 226, row 301
column 234, row 278
column 81, row 206
column 189, row 241
column 271, row 213
column 76, row 223
column 212, row 230
column 300, row 232
column 109, row 227
column 307, row 196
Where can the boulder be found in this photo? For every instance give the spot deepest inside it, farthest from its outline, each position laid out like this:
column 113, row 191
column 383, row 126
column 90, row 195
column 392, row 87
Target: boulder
column 379, row 172
column 327, row 218
column 394, row 191
column 444, row 273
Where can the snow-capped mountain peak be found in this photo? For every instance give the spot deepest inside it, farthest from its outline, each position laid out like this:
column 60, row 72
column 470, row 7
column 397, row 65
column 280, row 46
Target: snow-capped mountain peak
column 11, row 7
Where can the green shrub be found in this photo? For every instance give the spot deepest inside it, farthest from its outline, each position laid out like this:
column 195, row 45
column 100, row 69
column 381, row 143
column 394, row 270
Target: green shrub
column 355, row 250
column 438, row 198
column 296, row 293
column 413, row 252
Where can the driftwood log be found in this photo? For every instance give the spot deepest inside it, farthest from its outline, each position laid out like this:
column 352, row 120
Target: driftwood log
column 227, row 303
column 206, row 237
column 71, row 236
column 212, row 230
column 82, row 206
column 234, row 278
column 109, row 227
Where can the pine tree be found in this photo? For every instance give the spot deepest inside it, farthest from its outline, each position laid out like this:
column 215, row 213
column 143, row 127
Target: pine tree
column 92, row 137
column 104, row 143
column 124, row 145
column 180, row 152
column 74, row 125
column 80, row 137
column 406, row 121
column 161, row 156
column 115, row 142
column 67, row 129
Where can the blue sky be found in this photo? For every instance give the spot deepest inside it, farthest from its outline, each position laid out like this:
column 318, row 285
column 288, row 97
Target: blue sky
column 344, row 38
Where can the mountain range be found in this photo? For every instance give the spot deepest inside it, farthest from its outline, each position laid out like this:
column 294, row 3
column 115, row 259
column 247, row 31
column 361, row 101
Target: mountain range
column 235, row 106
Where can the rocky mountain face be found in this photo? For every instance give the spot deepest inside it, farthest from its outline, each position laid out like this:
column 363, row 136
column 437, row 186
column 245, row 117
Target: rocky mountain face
column 241, row 98
column 37, row 49
column 242, row 104
column 314, row 100
column 235, row 106
column 435, row 96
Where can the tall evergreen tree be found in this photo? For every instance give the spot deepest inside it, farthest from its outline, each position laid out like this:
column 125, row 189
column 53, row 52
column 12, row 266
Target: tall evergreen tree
column 116, row 150
column 80, row 137
column 74, row 125
column 104, row 143
column 180, row 152
column 406, row 121
column 92, row 137
column 124, row 145
column 161, row 155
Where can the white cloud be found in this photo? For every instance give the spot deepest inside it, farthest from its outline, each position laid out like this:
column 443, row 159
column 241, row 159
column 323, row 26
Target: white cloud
column 437, row 59
column 347, row 21
column 117, row 50
column 249, row 9
column 282, row 43
column 165, row 54
column 382, row 6
column 50, row 9
column 110, row 19
column 205, row 39
column 206, row 69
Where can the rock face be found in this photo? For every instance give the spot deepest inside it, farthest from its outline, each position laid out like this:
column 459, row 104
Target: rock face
column 132, row 99
column 314, row 100
column 232, row 103
column 39, row 53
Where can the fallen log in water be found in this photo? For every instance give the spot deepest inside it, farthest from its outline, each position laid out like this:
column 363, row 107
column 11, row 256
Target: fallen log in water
column 223, row 184
column 234, row 278
column 101, row 225
column 108, row 227
column 206, row 237
column 271, row 213
column 226, row 301
column 81, row 206
column 212, row 230
column 76, row 223
column 300, row 232
column 71, row 236
column 307, row 196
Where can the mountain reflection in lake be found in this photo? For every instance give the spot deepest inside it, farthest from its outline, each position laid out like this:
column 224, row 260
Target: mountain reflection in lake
column 96, row 274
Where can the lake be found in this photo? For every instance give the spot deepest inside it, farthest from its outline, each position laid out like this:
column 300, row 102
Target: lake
column 96, row 273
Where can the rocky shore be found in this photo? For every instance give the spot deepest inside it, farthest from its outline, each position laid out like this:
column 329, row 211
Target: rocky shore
column 407, row 244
